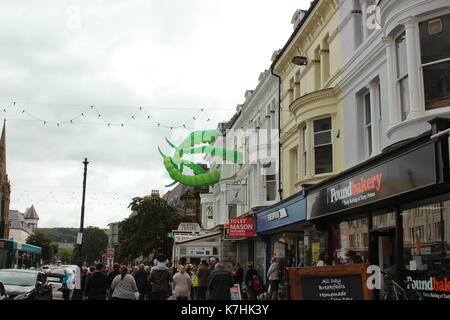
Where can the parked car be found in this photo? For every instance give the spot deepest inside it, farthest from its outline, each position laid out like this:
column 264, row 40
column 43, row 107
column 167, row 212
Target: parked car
column 56, row 280
column 26, row 284
column 3, row 294
column 59, row 272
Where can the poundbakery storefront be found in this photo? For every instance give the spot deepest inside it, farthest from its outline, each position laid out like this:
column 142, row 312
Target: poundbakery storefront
column 392, row 211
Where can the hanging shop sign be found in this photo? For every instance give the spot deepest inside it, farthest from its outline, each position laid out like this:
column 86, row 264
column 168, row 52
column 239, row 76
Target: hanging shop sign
column 236, row 195
column 241, row 227
column 341, row 282
column 400, row 174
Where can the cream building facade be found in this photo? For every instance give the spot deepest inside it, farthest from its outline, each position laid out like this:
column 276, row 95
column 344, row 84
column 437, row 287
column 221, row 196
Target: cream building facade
column 312, row 138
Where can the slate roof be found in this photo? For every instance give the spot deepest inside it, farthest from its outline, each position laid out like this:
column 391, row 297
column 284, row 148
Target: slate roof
column 17, row 221
column 31, row 213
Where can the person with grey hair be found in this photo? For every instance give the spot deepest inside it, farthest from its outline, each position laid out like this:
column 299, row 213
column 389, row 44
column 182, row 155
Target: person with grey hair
column 220, row 281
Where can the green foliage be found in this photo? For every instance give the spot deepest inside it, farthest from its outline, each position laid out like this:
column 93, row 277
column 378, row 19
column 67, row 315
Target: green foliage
column 68, row 235
column 41, row 239
column 55, row 248
column 66, row 256
column 95, row 242
column 146, row 229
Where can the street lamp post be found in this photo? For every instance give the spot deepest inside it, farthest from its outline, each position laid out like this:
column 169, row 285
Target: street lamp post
column 77, row 295
column 83, row 201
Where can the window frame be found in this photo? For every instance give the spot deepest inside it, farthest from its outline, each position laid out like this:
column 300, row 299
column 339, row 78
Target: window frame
column 421, row 65
column 368, row 127
column 405, row 106
column 322, row 145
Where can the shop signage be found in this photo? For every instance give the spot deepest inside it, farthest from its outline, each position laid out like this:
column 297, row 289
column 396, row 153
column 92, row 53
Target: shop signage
column 199, row 251
column 183, row 236
column 110, row 252
column 390, row 178
column 284, row 213
column 277, row 215
column 241, row 227
column 236, row 195
column 192, row 227
column 340, row 282
column 431, row 287
column 332, row 288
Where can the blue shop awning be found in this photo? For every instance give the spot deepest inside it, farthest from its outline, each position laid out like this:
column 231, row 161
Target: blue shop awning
column 287, row 212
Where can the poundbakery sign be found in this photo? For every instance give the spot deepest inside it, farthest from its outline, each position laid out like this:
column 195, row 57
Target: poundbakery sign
column 408, row 171
column 357, row 190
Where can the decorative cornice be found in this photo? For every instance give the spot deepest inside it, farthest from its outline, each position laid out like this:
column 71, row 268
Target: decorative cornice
column 312, row 97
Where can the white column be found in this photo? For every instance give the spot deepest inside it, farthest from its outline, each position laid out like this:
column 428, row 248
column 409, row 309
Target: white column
column 393, row 106
column 375, row 115
column 365, row 30
column 411, row 28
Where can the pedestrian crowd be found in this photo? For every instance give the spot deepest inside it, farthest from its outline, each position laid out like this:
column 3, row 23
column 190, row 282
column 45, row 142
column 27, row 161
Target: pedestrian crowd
column 209, row 280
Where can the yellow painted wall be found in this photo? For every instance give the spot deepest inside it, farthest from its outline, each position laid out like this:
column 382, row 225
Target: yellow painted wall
column 314, row 101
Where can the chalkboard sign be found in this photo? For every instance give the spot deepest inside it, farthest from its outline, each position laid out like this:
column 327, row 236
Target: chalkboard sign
column 332, row 288
column 340, row 282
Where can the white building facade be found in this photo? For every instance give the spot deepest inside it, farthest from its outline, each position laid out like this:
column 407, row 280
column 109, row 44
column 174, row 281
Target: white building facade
column 253, row 184
column 396, row 71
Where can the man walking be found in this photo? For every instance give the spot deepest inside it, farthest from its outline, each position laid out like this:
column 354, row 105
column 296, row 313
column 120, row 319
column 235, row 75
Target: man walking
column 203, row 273
column 114, row 273
column 160, row 280
column 141, row 281
column 97, row 285
column 219, row 283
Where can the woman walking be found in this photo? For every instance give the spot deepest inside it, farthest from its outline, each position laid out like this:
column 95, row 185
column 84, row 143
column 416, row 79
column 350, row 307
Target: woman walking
column 182, row 283
column 124, row 286
column 274, row 279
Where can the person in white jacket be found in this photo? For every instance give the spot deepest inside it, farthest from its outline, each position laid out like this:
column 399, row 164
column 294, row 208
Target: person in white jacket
column 124, row 286
column 274, row 280
column 182, row 283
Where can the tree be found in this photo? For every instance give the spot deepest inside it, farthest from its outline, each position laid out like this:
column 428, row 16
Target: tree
column 55, row 249
column 95, row 242
column 66, row 255
column 146, row 229
column 41, row 239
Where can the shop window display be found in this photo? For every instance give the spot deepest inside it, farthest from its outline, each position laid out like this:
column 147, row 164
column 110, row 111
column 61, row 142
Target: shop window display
column 426, row 237
column 314, row 243
column 350, row 241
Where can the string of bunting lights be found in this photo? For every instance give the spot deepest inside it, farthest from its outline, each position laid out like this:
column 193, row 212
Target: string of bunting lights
column 139, row 112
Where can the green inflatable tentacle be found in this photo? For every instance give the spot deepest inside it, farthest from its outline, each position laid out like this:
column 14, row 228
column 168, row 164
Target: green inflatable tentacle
column 226, row 154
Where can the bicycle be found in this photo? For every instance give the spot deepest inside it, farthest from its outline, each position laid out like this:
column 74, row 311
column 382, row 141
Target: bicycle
column 394, row 291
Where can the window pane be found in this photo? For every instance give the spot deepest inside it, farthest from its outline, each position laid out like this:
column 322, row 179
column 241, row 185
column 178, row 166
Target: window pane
column 369, row 139
column 367, row 109
column 323, row 159
column 426, row 239
column 436, row 80
column 322, row 138
column 271, row 191
column 434, row 39
column 322, row 125
column 401, row 53
column 404, row 97
column 351, row 236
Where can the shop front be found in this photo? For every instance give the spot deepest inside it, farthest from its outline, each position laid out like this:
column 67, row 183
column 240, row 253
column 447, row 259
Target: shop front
column 392, row 211
column 282, row 228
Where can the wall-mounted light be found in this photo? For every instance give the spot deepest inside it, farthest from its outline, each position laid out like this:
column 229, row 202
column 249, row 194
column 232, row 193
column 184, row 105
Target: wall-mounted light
column 300, row 61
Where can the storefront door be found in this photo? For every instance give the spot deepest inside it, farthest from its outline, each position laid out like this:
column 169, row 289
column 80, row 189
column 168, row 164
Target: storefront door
column 382, row 249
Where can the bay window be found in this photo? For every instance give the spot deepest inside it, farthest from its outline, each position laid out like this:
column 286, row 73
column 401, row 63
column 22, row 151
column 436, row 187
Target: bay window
column 435, row 59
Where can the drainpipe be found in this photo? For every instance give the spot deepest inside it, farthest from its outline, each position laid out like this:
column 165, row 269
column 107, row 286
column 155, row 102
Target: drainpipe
column 280, row 190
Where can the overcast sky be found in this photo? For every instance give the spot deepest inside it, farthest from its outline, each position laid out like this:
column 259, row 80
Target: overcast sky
column 172, row 58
